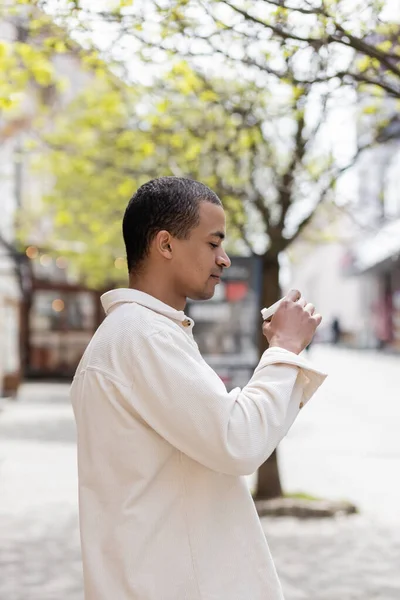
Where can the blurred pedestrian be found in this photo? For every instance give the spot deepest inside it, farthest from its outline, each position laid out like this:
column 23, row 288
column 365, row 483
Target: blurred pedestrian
column 336, row 331
column 165, row 511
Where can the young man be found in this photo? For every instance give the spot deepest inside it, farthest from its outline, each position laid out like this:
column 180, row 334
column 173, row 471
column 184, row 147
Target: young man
column 165, row 510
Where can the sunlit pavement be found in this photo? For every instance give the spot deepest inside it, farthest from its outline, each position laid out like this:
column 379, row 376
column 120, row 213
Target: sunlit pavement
column 345, row 444
column 39, row 535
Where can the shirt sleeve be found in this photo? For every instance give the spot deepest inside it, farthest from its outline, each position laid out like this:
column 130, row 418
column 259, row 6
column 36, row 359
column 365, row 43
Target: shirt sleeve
column 185, row 402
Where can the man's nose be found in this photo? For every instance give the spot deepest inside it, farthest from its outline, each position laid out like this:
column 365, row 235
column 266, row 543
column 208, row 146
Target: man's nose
column 223, row 260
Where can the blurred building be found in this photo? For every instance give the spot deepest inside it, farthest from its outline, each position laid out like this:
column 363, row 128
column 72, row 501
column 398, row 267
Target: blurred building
column 46, row 317
column 376, row 256
column 9, row 287
column 355, row 277
column 322, row 270
column 62, row 319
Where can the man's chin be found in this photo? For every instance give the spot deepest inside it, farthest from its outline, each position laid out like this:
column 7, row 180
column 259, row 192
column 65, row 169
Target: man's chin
column 203, row 295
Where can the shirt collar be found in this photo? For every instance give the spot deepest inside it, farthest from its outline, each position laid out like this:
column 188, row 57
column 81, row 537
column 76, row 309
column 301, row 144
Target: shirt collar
column 113, row 298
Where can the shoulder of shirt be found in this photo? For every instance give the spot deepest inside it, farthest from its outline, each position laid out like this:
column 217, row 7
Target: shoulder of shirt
column 143, row 321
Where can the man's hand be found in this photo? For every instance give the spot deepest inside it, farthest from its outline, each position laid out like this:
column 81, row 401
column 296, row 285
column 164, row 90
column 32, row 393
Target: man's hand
column 293, row 325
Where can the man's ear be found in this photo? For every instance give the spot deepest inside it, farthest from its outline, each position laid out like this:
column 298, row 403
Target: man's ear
column 163, row 243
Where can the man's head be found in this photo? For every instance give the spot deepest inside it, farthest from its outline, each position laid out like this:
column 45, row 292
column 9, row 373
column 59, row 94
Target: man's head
column 173, row 230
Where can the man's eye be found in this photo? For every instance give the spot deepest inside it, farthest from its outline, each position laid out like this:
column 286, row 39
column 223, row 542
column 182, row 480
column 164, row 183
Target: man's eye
column 213, row 245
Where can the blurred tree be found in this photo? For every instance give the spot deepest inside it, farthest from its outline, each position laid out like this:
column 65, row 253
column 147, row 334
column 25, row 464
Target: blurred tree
column 348, row 42
column 31, row 88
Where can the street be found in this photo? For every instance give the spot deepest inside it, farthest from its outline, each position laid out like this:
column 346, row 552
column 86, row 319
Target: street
column 345, row 444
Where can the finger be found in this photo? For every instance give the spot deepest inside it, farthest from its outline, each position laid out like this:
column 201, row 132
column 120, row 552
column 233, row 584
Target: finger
column 317, row 318
column 302, row 302
column 310, row 308
column 293, row 295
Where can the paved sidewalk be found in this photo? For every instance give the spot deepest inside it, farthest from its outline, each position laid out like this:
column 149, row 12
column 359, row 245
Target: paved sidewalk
column 349, row 558
column 345, row 444
column 39, row 536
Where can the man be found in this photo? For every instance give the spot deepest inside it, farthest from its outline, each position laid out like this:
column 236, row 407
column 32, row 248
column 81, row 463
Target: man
column 163, row 448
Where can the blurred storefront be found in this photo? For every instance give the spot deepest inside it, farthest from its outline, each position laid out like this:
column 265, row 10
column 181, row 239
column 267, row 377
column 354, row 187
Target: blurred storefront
column 378, row 256
column 61, row 322
column 61, row 319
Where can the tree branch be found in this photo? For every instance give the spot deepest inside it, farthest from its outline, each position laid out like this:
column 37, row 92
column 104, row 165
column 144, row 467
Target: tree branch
column 341, row 37
column 241, row 229
column 366, row 49
column 303, row 11
column 11, row 249
column 334, row 177
column 285, row 35
column 286, row 184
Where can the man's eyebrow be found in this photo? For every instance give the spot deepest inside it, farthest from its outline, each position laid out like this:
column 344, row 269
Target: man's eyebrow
column 219, row 234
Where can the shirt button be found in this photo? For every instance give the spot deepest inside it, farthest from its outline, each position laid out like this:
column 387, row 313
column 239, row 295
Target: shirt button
column 301, row 404
column 186, row 323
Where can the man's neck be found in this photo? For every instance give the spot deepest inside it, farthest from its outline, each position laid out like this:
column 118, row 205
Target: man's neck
column 154, row 289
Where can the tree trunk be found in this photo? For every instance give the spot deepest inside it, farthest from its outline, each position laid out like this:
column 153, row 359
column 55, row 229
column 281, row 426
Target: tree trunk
column 25, row 338
column 268, row 482
column 24, row 273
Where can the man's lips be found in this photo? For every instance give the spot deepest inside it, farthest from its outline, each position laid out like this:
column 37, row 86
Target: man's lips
column 218, row 277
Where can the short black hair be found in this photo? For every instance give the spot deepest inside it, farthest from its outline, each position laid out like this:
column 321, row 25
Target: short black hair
column 170, row 203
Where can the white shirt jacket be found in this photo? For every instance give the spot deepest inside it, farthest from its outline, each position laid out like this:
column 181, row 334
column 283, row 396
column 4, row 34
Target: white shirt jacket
column 163, row 448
